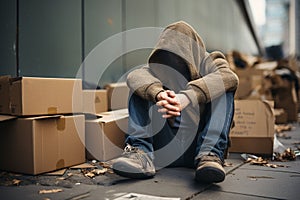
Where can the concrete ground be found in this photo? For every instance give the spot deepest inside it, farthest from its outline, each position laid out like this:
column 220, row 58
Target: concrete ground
column 243, row 181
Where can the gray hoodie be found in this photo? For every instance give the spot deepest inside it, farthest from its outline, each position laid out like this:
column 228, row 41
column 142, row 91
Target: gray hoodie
column 210, row 73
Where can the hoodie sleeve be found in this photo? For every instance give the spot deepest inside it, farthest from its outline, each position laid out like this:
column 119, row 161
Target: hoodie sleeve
column 217, row 78
column 144, row 84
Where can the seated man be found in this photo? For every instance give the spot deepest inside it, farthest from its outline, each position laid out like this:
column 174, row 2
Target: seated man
column 181, row 108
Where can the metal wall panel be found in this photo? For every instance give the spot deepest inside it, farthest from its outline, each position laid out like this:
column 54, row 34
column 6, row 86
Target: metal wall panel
column 8, row 24
column 55, row 35
column 49, row 37
column 102, row 20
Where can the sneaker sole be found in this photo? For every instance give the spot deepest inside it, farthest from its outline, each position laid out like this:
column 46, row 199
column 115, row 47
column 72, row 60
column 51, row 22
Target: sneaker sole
column 210, row 175
column 130, row 172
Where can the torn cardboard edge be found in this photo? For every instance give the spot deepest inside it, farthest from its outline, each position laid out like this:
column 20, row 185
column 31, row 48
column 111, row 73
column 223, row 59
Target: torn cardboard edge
column 108, row 116
column 59, row 172
column 10, row 117
column 6, row 117
column 83, row 165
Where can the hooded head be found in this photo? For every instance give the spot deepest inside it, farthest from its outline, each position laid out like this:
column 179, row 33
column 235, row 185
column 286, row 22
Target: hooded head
column 181, row 48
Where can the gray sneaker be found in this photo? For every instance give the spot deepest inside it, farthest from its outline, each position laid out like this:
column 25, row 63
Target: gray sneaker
column 210, row 169
column 134, row 163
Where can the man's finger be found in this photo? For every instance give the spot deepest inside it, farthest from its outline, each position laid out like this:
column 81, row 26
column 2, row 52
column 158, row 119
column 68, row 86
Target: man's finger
column 162, row 103
column 162, row 110
column 171, row 93
column 171, row 107
column 173, row 113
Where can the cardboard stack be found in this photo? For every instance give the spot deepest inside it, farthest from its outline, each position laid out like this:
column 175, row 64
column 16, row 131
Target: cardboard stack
column 43, row 129
column 52, row 123
column 254, row 118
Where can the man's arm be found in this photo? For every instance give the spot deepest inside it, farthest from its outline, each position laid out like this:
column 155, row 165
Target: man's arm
column 144, row 84
column 217, row 78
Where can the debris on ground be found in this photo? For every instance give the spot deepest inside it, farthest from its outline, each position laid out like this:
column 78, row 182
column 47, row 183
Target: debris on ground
column 254, row 160
column 50, row 191
column 263, row 162
column 227, row 164
column 16, row 182
column 92, row 172
column 254, row 178
column 282, row 127
column 287, row 155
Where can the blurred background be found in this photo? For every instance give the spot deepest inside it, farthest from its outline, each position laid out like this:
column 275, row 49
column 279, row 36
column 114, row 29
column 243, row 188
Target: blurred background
column 51, row 38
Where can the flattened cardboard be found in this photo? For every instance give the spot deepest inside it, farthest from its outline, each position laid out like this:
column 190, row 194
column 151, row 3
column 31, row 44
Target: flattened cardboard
column 254, row 127
column 45, row 96
column 39, row 145
column 4, row 95
column 105, row 136
column 95, row 101
column 117, row 95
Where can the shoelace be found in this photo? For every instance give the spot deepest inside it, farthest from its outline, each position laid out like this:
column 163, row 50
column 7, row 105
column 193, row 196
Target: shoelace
column 138, row 154
column 212, row 158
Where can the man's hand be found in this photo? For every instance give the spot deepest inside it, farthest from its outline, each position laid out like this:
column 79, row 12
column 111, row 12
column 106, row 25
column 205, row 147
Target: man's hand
column 171, row 104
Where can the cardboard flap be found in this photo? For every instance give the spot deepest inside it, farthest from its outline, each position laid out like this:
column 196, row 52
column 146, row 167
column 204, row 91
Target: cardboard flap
column 120, row 112
column 109, row 116
column 6, row 117
column 45, row 117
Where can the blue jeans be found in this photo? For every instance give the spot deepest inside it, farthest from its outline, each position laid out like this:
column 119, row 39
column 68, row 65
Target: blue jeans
column 170, row 144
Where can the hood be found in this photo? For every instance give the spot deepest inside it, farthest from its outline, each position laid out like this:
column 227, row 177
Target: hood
column 182, row 40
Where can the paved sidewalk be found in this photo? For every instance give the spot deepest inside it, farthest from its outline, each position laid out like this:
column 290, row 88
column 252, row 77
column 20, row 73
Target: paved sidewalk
column 243, row 181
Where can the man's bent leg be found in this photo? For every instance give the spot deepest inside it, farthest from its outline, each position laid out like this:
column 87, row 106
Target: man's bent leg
column 213, row 139
column 137, row 158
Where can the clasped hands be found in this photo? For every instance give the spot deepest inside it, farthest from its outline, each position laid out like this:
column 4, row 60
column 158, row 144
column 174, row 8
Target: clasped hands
column 170, row 103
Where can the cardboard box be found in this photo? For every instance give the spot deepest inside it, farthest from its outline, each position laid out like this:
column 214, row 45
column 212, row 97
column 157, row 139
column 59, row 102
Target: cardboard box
column 95, row 101
column 41, row 144
column 281, row 116
column 105, row 135
column 249, row 80
column 4, row 95
column 117, row 95
column 45, row 96
column 254, row 127
column 286, row 98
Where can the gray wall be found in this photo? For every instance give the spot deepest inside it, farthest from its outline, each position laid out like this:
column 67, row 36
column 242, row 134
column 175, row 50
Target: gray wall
column 55, row 35
column 8, row 24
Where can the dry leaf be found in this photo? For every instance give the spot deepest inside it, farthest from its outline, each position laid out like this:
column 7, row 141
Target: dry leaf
column 288, row 154
column 70, row 174
column 50, row 191
column 16, row 181
column 105, row 164
column 256, row 161
column 100, row 171
column 90, row 174
column 281, row 128
column 226, row 164
column 274, row 165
